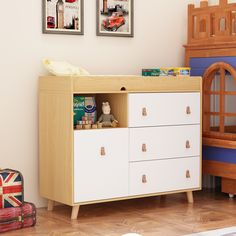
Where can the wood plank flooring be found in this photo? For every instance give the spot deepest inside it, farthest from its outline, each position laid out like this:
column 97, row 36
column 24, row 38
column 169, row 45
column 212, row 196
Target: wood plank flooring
column 154, row 216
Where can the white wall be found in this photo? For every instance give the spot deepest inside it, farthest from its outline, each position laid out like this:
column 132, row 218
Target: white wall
column 160, row 32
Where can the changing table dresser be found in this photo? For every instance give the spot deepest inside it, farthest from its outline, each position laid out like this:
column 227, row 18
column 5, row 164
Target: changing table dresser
column 155, row 150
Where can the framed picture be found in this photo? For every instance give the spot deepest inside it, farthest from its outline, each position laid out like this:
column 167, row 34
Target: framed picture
column 115, row 18
column 63, row 17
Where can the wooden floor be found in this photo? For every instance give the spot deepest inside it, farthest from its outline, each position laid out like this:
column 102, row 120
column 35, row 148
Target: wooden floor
column 155, row 216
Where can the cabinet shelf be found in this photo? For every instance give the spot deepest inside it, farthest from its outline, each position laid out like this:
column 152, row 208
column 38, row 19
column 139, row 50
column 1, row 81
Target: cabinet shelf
column 94, row 130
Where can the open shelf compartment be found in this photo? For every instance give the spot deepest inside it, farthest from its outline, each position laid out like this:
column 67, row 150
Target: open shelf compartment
column 118, row 103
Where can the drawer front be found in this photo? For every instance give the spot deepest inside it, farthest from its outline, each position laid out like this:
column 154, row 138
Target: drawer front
column 151, row 109
column 100, row 164
column 164, row 142
column 164, row 175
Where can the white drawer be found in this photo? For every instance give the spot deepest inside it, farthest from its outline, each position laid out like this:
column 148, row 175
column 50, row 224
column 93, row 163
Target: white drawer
column 164, row 175
column 151, row 109
column 100, row 164
column 164, row 142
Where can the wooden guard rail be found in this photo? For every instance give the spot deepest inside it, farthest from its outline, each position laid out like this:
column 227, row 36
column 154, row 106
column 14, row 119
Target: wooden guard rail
column 212, row 24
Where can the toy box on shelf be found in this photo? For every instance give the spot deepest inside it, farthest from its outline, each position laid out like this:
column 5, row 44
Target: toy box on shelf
column 167, row 71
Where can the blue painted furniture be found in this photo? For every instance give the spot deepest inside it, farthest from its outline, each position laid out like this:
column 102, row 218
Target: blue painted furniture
column 199, row 65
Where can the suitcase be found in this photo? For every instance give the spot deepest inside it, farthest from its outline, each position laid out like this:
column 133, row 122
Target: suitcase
column 17, row 217
column 11, row 188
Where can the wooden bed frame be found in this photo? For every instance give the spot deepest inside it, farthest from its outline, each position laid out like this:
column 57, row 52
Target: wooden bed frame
column 211, row 51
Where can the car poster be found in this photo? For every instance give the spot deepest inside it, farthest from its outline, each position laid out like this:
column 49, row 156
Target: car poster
column 115, row 18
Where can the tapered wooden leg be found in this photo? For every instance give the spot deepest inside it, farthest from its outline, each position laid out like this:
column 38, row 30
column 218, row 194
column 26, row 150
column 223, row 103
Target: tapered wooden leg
column 190, row 197
column 74, row 213
column 50, row 205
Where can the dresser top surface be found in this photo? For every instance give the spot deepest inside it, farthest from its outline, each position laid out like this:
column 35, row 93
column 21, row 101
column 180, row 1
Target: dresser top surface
column 119, row 84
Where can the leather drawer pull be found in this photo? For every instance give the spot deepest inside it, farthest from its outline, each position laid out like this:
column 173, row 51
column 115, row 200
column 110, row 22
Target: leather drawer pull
column 188, row 174
column 188, row 144
column 188, row 110
column 103, row 151
column 144, row 179
column 144, row 147
column 144, row 111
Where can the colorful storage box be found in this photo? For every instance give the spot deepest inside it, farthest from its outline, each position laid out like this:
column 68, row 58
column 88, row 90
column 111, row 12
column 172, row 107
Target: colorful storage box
column 182, row 71
column 151, row 72
column 167, row 71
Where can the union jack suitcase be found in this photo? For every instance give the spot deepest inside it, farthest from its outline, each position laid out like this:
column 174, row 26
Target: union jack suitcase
column 17, row 217
column 11, row 188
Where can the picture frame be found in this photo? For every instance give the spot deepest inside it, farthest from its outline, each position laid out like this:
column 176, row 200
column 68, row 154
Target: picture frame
column 115, row 18
column 63, row 17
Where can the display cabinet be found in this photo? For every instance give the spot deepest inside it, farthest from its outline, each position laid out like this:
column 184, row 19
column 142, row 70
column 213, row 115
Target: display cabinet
column 155, row 150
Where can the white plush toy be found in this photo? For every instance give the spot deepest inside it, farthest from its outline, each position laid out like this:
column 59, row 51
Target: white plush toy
column 63, row 68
